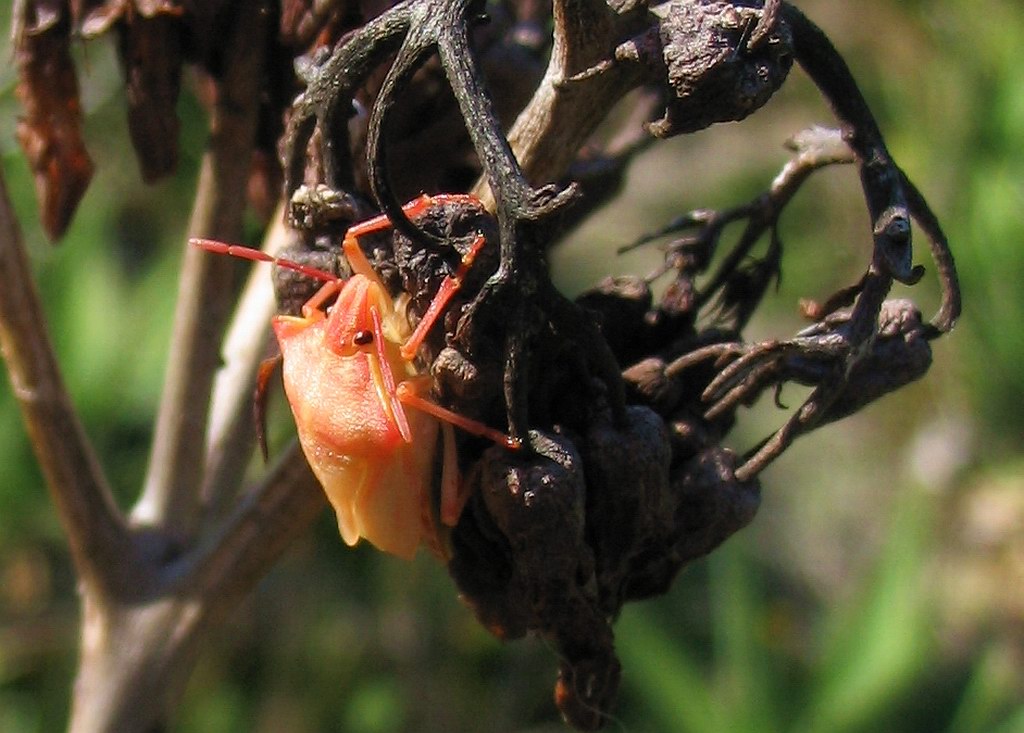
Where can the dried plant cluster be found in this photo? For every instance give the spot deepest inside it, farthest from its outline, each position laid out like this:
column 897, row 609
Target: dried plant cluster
column 621, row 400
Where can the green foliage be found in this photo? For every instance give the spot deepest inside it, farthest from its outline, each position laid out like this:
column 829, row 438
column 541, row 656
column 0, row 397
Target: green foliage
column 988, row 199
column 872, row 663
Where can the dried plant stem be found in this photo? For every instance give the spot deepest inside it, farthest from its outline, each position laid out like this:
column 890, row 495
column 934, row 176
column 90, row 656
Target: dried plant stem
column 169, row 499
column 564, row 112
column 262, row 527
column 231, row 434
column 138, row 651
column 96, row 535
column 148, row 598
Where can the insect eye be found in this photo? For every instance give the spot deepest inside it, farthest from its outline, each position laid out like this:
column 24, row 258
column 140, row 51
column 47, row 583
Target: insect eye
column 362, row 338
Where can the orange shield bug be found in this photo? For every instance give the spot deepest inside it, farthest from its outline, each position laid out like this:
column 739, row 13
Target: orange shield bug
column 349, row 377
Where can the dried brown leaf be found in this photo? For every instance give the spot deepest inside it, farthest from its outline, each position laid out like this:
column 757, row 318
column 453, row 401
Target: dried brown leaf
column 50, row 129
column 151, row 56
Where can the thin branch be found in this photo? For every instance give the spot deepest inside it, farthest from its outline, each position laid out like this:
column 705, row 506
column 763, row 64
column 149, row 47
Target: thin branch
column 96, row 533
column 169, row 498
column 564, row 110
column 252, row 540
column 816, row 148
column 230, row 439
column 881, row 179
column 815, row 408
column 327, row 100
column 949, row 309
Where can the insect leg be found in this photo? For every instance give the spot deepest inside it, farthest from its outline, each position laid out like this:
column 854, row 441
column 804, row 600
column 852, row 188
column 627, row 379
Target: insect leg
column 394, row 405
column 409, row 391
column 259, row 402
column 312, row 307
column 449, row 286
column 356, row 257
column 412, row 209
column 354, row 253
column 257, row 255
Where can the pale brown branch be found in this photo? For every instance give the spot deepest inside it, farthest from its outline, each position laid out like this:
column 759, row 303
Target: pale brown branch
column 266, row 522
column 231, row 431
column 137, row 656
column 96, row 533
column 170, row 498
column 568, row 105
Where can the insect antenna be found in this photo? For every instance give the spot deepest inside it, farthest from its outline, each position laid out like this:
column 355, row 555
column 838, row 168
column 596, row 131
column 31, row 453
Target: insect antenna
column 248, row 253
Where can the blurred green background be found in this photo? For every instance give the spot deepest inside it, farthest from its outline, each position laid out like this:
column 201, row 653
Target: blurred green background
column 881, row 587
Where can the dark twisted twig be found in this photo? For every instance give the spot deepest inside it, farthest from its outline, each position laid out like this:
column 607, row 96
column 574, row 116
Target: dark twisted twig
column 884, row 189
column 891, row 201
column 739, row 289
column 949, row 308
column 331, row 80
column 414, row 31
